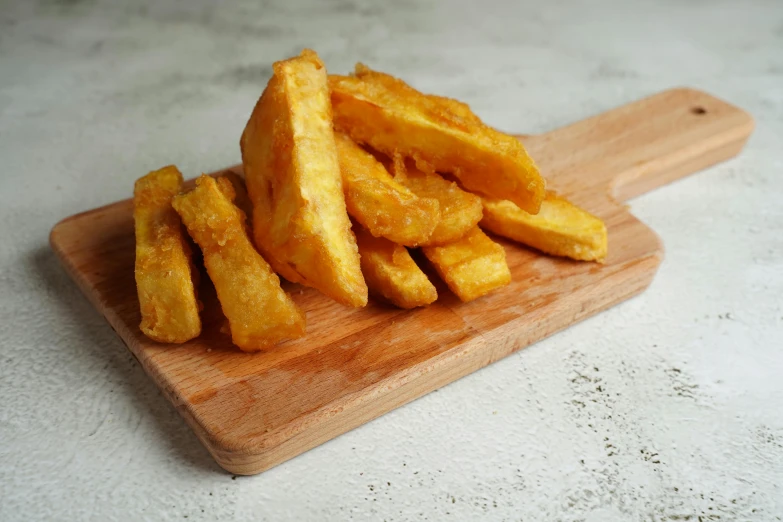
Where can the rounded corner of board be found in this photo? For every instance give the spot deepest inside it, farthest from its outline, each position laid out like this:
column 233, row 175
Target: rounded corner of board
column 57, row 237
column 239, row 461
column 56, row 230
column 234, row 451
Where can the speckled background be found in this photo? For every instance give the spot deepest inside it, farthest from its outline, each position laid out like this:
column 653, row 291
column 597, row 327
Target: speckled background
column 668, row 407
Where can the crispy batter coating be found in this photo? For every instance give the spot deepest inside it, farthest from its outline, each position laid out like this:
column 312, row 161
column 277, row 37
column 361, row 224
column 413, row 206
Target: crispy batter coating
column 391, row 273
column 560, row 228
column 441, row 135
column 165, row 275
column 293, row 176
column 379, row 203
column 241, row 198
column 460, row 211
column 260, row 314
column 472, row 266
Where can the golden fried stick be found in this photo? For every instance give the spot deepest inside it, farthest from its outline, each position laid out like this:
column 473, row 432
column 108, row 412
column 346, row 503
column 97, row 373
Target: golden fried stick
column 165, row 276
column 391, row 272
column 460, row 211
column 441, row 136
column 259, row 312
column 293, row 176
column 560, row 228
column 379, row 203
column 241, row 197
column 471, row 266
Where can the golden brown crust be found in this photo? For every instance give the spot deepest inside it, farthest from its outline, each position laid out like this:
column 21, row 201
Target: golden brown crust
column 293, row 177
column 259, row 312
column 240, row 196
column 391, row 273
column 165, row 276
column 559, row 229
column 460, row 211
column 472, row 266
column 379, row 203
column 439, row 134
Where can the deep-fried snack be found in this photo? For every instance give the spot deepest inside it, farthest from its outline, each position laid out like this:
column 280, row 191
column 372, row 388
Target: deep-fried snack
column 241, row 197
column 460, row 211
column 459, row 108
column 441, row 136
column 391, row 272
column 293, row 176
column 472, row 266
column 560, row 228
column 165, row 276
column 378, row 202
column 260, row 314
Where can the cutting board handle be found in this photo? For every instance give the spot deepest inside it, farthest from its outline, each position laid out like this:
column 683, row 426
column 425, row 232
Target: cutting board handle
column 635, row 148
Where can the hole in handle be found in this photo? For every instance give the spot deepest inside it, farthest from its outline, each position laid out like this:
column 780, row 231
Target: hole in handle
column 698, row 110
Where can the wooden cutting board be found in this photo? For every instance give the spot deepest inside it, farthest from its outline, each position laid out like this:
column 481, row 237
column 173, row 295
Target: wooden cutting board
column 254, row 411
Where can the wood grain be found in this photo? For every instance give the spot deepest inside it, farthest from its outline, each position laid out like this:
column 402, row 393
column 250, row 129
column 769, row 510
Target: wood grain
column 254, row 411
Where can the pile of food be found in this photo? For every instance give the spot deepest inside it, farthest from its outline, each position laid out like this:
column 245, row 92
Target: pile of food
column 343, row 175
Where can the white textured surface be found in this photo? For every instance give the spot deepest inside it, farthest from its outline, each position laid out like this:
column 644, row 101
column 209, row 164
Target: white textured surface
column 668, row 407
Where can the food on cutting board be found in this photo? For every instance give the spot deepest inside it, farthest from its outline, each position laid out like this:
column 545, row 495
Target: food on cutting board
column 260, row 314
column 471, row 266
column 385, row 113
column 559, row 229
column 317, row 149
column 381, row 204
column 165, row 276
column 293, row 177
column 391, row 272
